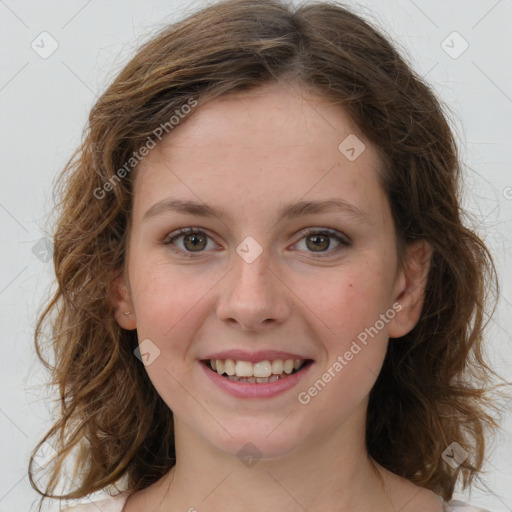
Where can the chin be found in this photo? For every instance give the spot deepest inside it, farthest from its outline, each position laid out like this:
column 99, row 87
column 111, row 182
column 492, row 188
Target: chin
column 260, row 440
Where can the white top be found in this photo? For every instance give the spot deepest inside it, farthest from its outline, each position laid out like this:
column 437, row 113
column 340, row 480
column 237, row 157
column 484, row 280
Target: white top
column 116, row 504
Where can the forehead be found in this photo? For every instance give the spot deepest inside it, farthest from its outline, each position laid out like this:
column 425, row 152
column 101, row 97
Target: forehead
column 278, row 141
column 273, row 116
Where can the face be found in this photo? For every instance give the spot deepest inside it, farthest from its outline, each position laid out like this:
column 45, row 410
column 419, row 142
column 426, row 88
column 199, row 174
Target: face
column 253, row 284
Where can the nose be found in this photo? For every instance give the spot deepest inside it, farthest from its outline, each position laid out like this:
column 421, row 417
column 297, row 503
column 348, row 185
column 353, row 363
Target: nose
column 253, row 297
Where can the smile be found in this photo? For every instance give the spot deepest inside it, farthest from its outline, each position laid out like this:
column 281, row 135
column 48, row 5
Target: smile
column 260, row 372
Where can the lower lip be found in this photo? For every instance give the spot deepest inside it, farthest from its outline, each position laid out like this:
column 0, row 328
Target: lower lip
column 255, row 390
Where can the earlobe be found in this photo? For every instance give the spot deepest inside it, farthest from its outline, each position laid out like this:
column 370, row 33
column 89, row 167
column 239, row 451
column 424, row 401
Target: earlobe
column 412, row 283
column 123, row 306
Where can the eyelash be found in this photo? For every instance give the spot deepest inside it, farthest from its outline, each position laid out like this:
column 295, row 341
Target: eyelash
column 344, row 241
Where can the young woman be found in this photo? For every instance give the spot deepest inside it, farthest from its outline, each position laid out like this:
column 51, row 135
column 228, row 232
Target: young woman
column 267, row 299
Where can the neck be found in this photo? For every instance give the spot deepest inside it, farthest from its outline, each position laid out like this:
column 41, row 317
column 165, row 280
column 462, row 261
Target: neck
column 334, row 473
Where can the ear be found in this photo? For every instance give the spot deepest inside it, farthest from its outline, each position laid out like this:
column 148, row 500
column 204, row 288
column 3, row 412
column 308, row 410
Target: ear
column 410, row 288
column 123, row 306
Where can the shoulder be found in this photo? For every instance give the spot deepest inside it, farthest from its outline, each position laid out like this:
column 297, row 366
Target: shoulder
column 110, row 504
column 461, row 506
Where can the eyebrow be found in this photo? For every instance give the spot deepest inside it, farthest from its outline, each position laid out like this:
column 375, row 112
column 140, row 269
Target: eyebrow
column 289, row 211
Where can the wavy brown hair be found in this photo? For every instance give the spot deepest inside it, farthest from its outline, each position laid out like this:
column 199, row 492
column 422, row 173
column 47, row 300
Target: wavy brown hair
column 434, row 385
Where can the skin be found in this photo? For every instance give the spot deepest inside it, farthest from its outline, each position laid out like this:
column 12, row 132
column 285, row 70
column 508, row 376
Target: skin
column 249, row 154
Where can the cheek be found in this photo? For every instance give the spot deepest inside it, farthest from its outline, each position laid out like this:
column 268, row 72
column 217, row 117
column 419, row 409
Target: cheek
column 350, row 304
column 167, row 304
column 164, row 297
column 351, row 298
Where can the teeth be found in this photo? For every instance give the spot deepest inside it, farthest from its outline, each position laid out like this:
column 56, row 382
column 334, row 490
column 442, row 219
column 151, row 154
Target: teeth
column 262, row 369
column 244, row 369
column 288, row 366
column 277, row 366
column 229, row 366
column 261, row 372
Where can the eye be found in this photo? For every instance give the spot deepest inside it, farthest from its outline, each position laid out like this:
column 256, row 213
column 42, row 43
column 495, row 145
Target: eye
column 194, row 240
column 318, row 241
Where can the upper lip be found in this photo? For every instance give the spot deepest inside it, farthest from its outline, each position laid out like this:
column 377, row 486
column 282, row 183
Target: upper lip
column 254, row 357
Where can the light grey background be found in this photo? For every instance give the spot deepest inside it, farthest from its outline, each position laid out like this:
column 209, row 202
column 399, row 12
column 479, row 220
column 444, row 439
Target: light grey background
column 44, row 103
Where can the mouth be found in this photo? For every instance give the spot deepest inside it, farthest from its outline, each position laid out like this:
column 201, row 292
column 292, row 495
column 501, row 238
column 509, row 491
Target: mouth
column 260, row 372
